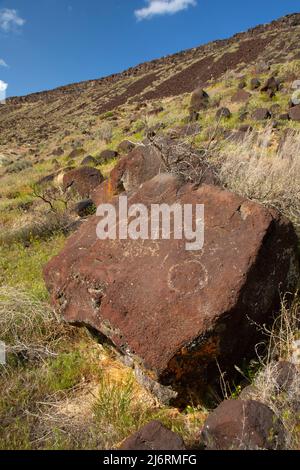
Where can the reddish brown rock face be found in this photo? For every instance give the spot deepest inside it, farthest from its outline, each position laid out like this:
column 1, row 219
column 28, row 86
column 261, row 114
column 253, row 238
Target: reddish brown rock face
column 241, row 96
column 153, row 436
column 140, row 165
column 242, row 425
column 171, row 310
column 83, row 180
column 294, row 113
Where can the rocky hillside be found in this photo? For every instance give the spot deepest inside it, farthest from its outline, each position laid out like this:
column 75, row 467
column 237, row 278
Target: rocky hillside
column 33, row 119
column 176, row 348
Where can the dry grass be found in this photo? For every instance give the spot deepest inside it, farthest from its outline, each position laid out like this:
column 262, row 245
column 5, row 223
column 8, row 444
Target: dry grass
column 258, row 171
column 36, row 225
column 284, row 400
column 29, row 327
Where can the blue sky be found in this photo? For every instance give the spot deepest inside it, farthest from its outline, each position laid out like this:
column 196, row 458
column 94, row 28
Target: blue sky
column 47, row 43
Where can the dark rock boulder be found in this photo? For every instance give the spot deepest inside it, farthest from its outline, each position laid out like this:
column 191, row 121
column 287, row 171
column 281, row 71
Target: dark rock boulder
column 75, row 153
column 271, row 86
column 175, row 320
column 84, row 208
column 83, row 180
column 254, row 84
column 58, row 152
column 89, row 161
column 107, row 155
column 242, row 425
column 153, row 436
column 140, row 165
column 126, row 146
column 294, row 113
column 260, row 114
column 241, row 96
column 199, row 100
column 284, row 116
column 284, row 374
column 223, row 113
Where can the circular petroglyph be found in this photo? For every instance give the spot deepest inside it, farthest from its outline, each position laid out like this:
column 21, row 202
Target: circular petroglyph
column 187, row 278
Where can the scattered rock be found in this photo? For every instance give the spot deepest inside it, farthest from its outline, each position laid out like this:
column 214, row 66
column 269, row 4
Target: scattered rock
column 126, row 146
column 58, row 152
column 223, row 113
column 294, row 113
column 271, row 86
column 242, row 425
column 261, row 114
column 89, row 161
column 106, row 156
column 153, row 436
column 83, row 180
column 284, row 117
column 254, row 84
column 140, row 165
column 241, row 96
column 175, row 321
column 199, row 100
column 84, row 208
column 284, row 375
column 75, row 153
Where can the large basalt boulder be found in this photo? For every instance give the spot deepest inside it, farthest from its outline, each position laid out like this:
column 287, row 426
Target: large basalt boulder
column 199, row 100
column 242, row 425
column 254, row 84
column 153, row 436
column 107, row 155
column 126, row 146
column 140, row 165
column 170, row 311
column 83, row 180
column 294, row 113
column 271, row 86
column 261, row 114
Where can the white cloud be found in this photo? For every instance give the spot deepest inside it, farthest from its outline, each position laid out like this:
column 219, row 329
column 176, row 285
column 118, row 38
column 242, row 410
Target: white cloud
column 3, row 63
column 163, row 7
column 3, row 86
column 10, row 20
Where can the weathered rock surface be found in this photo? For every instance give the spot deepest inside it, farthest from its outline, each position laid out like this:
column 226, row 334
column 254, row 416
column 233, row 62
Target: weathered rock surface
column 244, row 425
column 126, row 146
column 89, row 161
column 254, row 84
column 83, row 180
column 153, row 436
column 107, row 155
column 140, row 165
column 260, row 114
column 223, row 113
column 241, row 96
column 84, row 208
column 173, row 311
column 199, row 100
column 294, row 113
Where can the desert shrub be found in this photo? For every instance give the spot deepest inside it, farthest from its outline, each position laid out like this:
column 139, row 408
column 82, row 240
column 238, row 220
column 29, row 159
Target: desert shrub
column 282, row 338
column 19, row 166
column 255, row 170
column 105, row 132
column 28, row 326
column 36, row 226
